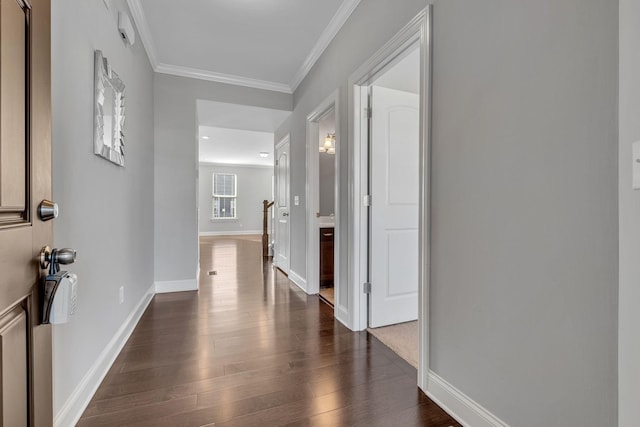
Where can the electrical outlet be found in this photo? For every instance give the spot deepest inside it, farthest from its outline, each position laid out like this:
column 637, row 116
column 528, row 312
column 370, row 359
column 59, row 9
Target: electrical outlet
column 121, row 294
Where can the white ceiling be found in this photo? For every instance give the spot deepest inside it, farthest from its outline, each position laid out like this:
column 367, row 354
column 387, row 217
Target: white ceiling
column 234, row 146
column 237, row 133
column 269, row 44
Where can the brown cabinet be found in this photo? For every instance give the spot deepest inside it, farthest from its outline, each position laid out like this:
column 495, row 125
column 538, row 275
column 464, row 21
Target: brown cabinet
column 326, row 257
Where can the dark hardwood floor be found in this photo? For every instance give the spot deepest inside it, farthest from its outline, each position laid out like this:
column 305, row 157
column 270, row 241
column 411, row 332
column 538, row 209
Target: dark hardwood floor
column 251, row 349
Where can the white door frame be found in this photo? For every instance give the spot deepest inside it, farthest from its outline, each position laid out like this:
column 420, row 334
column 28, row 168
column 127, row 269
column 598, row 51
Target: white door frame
column 416, row 31
column 285, row 140
column 313, row 190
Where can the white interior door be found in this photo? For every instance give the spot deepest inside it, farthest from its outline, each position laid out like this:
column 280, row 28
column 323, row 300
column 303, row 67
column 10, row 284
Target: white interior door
column 281, row 257
column 395, row 129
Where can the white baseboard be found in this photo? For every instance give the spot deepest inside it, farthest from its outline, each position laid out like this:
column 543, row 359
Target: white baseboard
column 176, row 286
column 342, row 316
column 229, row 233
column 298, row 280
column 78, row 401
column 460, row 406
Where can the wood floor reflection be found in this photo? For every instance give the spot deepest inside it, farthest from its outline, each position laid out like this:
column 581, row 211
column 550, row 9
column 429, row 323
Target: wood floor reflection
column 252, row 349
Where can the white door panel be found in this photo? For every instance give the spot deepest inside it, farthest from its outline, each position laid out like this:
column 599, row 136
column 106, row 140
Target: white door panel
column 401, row 274
column 281, row 258
column 401, row 123
column 394, row 212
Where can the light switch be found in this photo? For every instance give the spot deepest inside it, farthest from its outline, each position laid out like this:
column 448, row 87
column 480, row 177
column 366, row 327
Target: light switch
column 636, row 165
column 296, row 200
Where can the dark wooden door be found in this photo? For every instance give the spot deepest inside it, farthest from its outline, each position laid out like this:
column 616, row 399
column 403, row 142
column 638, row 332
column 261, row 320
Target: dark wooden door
column 25, row 180
column 326, row 257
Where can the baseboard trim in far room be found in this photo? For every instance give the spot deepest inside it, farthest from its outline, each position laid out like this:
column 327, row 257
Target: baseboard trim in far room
column 300, row 281
column 78, row 401
column 460, row 406
column 229, row 233
column 176, row 286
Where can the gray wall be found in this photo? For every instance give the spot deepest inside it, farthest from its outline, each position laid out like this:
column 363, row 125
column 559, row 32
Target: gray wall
column 106, row 212
column 176, row 164
column 524, row 204
column 524, row 219
column 254, row 186
column 629, row 337
column 326, row 168
column 327, row 174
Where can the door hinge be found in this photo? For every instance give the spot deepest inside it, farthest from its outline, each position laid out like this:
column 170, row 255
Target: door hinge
column 366, row 200
column 366, row 288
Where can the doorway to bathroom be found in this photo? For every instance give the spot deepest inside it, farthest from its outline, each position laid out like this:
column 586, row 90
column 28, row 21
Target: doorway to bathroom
column 326, row 204
column 323, row 172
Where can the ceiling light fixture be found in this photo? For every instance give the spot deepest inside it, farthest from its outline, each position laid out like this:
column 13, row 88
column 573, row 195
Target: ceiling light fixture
column 329, row 145
column 264, row 154
column 205, row 137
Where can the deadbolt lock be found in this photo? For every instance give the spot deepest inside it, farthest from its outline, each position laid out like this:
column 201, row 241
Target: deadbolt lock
column 47, row 210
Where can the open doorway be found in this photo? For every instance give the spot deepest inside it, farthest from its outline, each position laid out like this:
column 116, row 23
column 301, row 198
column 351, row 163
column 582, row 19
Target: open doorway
column 389, row 241
column 236, row 158
column 323, row 218
column 394, row 143
column 326, row 204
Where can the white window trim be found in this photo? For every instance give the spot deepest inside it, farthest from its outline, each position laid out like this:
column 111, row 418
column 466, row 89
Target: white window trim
column 214, row 196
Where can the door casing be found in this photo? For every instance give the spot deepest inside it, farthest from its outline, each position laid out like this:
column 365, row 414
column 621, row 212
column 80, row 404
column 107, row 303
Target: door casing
column 418, row 30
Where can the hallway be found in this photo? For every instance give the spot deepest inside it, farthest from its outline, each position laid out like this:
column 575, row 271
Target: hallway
column 251, row 349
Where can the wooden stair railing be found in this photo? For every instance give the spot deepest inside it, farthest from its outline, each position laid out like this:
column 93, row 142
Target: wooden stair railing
column 265, row 235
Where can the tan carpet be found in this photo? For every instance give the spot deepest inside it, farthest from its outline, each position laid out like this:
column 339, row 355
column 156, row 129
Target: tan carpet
column 401, row 338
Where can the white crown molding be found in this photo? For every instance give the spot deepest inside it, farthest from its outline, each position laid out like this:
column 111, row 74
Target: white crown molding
column 342, row 14
column 230, row 79
column 339, row 19
column 143, row 30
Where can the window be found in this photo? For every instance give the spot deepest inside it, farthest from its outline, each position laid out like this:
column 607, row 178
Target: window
column 224, row 195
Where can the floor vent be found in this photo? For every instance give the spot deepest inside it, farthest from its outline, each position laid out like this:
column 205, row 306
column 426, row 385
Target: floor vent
column 213, row 273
